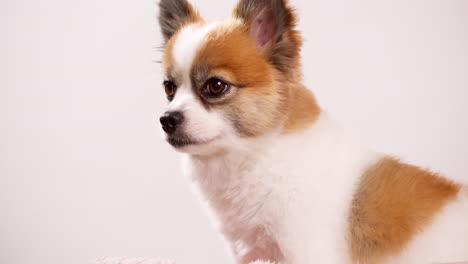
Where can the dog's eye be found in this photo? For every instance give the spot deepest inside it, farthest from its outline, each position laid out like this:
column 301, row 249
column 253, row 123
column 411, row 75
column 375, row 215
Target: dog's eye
column 215, row 87
column 170, row 89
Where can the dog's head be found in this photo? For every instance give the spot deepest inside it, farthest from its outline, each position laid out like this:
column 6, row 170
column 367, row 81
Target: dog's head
column 227, row 81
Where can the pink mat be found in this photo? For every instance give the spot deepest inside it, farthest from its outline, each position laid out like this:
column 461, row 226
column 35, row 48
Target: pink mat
column 124, row 260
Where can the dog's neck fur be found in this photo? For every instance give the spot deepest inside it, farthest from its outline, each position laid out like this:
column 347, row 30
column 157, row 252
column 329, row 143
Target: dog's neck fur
column 250, row 185
column 301, row 108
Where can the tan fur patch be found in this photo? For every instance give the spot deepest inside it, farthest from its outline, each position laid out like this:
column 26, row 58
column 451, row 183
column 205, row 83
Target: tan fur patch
column 267, row 97
column 393, row 202
column 167, row 59
column 229, row 48
column 229, row 51
column 301, row 108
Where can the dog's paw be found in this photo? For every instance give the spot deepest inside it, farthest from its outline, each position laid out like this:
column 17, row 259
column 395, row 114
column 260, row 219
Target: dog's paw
column 124, row 260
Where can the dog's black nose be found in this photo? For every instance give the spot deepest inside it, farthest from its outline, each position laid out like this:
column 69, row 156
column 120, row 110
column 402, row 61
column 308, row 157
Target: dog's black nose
column 170, row 121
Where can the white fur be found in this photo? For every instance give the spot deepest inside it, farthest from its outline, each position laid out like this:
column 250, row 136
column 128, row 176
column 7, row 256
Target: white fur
column 200, row 124
column 187, row 43
column 295, row 190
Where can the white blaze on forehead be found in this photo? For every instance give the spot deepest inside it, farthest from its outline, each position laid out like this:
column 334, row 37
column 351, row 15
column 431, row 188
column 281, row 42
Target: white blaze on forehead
column 187, row 44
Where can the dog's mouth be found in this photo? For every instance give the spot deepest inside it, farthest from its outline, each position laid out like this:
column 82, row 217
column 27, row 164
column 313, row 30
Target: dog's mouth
column 183, row 141
column 179, row 142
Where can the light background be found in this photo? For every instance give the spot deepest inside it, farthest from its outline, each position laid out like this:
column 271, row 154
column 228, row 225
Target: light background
column 83, row 171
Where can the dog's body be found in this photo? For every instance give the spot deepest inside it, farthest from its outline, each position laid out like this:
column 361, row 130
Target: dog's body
column 284, row 182
column 289, row 199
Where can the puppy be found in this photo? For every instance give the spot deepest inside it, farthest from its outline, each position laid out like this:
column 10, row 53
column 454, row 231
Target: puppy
column 285, row 184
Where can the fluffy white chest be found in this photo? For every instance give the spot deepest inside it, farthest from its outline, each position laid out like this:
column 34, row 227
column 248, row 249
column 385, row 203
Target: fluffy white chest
column 294, row 190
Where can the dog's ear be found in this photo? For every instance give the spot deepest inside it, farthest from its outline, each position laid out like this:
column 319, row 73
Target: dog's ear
column 271, row 25
column 173, row 14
